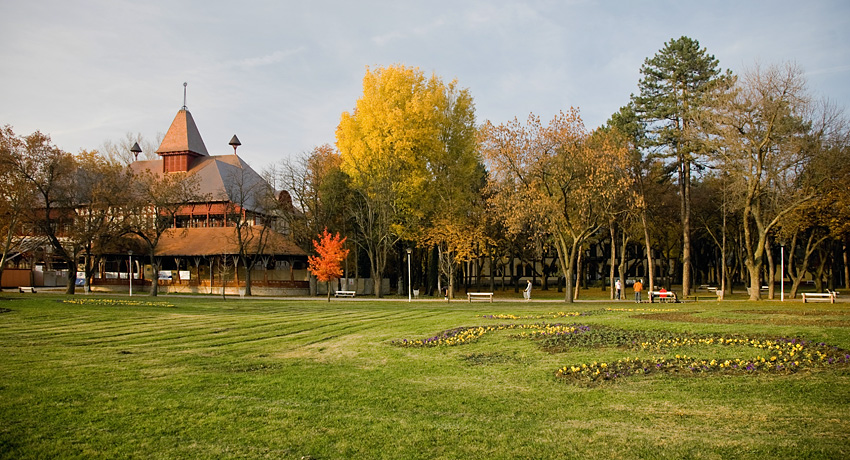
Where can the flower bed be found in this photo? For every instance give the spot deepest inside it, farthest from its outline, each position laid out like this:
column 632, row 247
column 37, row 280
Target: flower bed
column 773, row 355
column 117, row 302
column 560, row 314
column 463, row 335
column 781, row 355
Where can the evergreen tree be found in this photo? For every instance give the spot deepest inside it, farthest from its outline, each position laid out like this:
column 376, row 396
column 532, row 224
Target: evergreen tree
column 676, row 84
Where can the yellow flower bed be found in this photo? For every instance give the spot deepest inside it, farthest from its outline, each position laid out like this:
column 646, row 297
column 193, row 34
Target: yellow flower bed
column 117, row 303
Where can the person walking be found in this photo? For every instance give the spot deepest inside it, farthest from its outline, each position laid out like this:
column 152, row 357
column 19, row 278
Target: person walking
column 617, row 288
column 527, row 292
column 638, row 287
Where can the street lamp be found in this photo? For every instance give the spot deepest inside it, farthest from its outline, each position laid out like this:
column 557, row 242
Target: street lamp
column 782, row 273
column 409, row 277
column 130, row 274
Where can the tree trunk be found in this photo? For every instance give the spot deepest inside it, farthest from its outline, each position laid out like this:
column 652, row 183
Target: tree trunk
column 650, row 266
column 623, row 263
column 771, row 271
column 248, row 278
column 578, row 273
column 686, row 228
column 846, row 265
column 613, row 234
column 820, row 270
column 155, row 276
column 70, row 287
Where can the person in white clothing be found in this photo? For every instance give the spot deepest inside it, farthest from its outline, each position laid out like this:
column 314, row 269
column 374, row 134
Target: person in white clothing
column 527, row 292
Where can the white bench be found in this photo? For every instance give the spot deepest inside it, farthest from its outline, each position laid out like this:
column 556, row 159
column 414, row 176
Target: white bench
column 828, row 296
column 479, row 296
column 666, row 296
column 29, row 289
column 344, row 294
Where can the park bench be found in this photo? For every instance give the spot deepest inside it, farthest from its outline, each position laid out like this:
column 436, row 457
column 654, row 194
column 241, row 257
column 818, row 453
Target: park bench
column 713, row 293
column 763, row 289
column 344, row 294
column 29, row 289
column 479, row 296
column 828, row 296
column 666, row 296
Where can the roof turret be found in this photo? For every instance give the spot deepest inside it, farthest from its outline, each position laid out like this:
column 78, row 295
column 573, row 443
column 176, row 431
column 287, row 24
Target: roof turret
column 183, row 137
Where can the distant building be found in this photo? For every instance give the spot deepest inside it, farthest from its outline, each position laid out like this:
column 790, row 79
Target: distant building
column 199, row 254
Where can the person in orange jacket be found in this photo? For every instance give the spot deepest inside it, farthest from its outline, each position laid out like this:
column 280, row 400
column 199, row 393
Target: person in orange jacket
column 638, row 286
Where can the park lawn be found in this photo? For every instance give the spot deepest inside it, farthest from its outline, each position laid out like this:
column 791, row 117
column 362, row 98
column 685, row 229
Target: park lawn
column 202, row 377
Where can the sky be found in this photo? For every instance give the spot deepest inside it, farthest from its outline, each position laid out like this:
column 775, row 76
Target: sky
column 279, row 74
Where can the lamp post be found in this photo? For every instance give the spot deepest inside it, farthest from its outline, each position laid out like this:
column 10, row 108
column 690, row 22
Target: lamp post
column 782, row 273
column 409, row 278
column 130, row 272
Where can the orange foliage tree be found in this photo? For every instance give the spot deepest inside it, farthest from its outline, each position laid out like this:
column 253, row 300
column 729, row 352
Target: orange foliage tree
column 558, row 179
column 326, row 265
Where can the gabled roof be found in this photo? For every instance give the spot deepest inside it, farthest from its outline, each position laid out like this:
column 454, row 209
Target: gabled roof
column 216, row 241
column 183, row 136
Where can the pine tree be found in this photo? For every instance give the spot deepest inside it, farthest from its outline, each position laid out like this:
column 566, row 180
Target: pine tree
column 677, row 83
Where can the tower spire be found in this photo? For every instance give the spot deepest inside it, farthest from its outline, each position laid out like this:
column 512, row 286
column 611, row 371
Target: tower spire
column 184, row 94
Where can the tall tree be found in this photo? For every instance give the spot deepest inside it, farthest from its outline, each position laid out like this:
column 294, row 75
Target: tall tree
column 16, row 199
column 156, row 200
column 394, row 145
column 767, row 141
column 644, row 172
column 100, row 191
column 319, row 191
column 453, row 220
column 558, row 178
column 249, row 209
column 676, row 84
column 50, row 173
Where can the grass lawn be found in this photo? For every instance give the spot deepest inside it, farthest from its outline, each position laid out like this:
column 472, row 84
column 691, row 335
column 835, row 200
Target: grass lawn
column 202, row 377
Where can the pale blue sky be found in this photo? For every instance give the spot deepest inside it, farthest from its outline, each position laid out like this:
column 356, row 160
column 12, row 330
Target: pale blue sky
column 279, row 73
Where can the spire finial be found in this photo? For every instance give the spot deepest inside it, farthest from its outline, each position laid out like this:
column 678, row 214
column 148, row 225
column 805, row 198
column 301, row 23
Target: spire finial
column 136, row 151
column 184, row 94
column 234, row 142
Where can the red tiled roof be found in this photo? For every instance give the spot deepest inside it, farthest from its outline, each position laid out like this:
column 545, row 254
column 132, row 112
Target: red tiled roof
column 222, row 240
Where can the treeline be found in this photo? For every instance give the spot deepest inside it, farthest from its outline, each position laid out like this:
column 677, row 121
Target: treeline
column 710, row 171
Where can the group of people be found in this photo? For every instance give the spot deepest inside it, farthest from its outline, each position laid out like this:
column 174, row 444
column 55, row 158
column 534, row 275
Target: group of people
column 637, row 287
column 618, row 288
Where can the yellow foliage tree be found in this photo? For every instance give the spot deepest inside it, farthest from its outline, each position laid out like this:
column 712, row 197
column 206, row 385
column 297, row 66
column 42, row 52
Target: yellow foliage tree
column 409, row 149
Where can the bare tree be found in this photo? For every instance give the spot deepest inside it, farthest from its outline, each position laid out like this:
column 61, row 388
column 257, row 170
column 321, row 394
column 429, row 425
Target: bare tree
column 767, row 141
column 50, row 172
column 119, row 151
column 156, row 200
column 16, row 198
column 249, row 209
